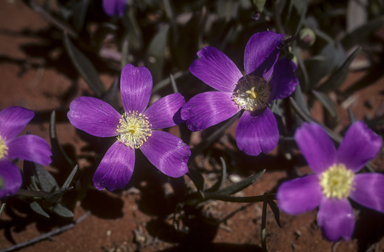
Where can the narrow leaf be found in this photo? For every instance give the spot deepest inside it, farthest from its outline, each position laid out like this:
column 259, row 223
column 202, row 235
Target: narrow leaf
column 80, row 10
column 329, row 105
column 84, row 67
column 60, row 158
column 337, row 78
column 69, row 179
column 361, row 33
column 197, row 179
column 239, row 186
column 56, row 195
column 37, row 208
column 351, row 116
column 275, row 210
column 62, row 211
column 45, row 181
column 219, row 184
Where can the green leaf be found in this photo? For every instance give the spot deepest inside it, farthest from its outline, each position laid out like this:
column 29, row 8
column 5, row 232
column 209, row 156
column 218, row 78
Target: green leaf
column 294, row 14
column 69, row 179
column 60, row 158
column 198, row 180
column 337, row 78
column 259, row 4
column 56, row 195
column 275, row 210
column 79, row 12
column 239, row 186
column 299, row 98
column 155, row 55
column 361, row 33
column 219, row 184
column 133, row 29
column 331, row 57
column 352, row 117
column 328, row 104
column 37, row 208
column 84, row 67
column 45, row 181
column 62, row 211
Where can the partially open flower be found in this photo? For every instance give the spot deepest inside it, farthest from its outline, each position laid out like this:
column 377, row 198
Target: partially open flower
column 26, row 147
column 134, row 129
column 334, row 180
column 266, row 79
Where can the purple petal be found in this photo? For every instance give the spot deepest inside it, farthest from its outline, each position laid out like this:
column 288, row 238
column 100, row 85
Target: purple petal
column 165, row 112
column 299, row 195
column 116, row 168
column 31, row 148
column 284, row 80
column 215, row 69
column 13, row 120
column 336, row 219
column 261, row 53
column 207, row 109
column 316, row 146
column 167, row 153
column 360, row 144
column 135, row 88
column 114, row 7
column 94, row 116
column 257, row 133
column 369, row 190
column 10, row 175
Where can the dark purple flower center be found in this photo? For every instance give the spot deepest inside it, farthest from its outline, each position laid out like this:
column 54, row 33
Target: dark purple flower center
column 3, row 148
column 337, row 181
column 252, row 93
column 133, row 129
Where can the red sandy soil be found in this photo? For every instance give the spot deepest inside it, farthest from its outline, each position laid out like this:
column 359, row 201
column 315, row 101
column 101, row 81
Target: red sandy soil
column 121, row 221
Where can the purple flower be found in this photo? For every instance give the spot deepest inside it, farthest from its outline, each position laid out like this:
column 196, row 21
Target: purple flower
column 334, row 179
column 265, row 80
column 114, row 7
column 134, row 129
column 26, row 147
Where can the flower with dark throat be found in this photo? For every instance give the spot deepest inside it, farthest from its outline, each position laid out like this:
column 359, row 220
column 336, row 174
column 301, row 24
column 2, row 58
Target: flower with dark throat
column 335, row 179
column 266, row 79
column 114, row 7
column 134, row 129
column 27, row 147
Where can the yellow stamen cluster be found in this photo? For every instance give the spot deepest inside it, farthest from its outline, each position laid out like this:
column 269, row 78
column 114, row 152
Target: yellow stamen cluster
column 133, row 129
column 3, row 148
column 252, row 93
column 337, row 181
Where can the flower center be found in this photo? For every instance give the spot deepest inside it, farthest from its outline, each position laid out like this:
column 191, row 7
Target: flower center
column 252, row 93
column 337, row 181
column 3, row 148
column 133, row 129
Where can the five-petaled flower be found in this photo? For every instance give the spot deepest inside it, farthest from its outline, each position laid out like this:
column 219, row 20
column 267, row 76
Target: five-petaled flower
column 265, row 80
column 134, row 129
column 114, row 7
column 26, row 147
column 334, row 179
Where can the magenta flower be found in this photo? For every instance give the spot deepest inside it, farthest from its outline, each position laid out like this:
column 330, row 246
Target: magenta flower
column 134, row 129
column 334, row 179
column 265, row 80
column 114, row 7
column 26, row 147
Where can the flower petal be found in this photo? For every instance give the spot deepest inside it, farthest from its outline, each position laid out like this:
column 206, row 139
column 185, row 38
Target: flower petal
column 316, row 146
column 31, row 148
column 13, row 120
column 10, row 178
column 135, row 88
column 114, row 7
column 116, row 168
column 369, row 190
column 261, row 53
column 207, row 109
column 336, row 219
column 167, row 153
column 299, row 195
column 94, row 116
column 284, row 80
column 165, row 112
column 257, row 133
column 360, row 144
column 215, row 69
